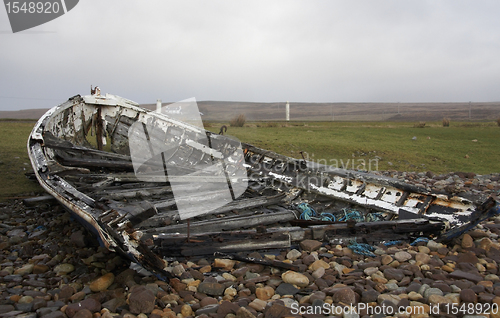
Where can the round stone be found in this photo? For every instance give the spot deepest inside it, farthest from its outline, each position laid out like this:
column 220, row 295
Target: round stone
column 402, row 256
column 63, row 269
column 102, row 283
column 295, row 278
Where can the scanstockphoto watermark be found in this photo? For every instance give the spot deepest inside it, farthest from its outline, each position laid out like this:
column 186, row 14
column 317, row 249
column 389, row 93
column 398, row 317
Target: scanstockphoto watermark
column 331, row 309
column 25, row 15
column 366, row 309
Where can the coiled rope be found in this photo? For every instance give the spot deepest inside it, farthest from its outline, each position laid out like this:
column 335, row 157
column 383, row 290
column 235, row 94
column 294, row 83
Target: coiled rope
column 308, row 213
column 362, row 249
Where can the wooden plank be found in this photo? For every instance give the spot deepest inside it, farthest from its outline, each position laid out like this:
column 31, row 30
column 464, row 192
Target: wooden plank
column 234, row 205
column 97, row 163
column 51, row 141
column 229, row 223
column 226, row 243
column 260, row 261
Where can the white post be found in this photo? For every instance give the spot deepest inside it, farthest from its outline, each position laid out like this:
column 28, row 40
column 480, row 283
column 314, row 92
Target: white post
column 469, row 111
column 158, row 105
column 287, row 111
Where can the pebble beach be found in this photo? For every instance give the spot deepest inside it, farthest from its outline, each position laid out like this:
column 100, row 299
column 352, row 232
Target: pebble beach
column 52, row 267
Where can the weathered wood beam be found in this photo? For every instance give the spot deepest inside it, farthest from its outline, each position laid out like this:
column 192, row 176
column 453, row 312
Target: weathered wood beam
column 226, row 243
column 50, row 141
column 254, row 260
column 234, row 205
column 228, row 223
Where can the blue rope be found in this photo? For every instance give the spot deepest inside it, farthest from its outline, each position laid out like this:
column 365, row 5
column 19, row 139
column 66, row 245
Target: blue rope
column 308, row 213
column 373, row 217
column 367, row 250
column 391, row 243
column 352, row 215
column 327, row 217
column 362, row 249
column 418, row 240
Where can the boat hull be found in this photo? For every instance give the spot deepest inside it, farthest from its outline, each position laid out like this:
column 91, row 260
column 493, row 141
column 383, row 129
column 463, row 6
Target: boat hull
column 81, row 154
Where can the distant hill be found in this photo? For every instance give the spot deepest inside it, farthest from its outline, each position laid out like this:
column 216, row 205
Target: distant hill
column 224, row 111
column 23, row 114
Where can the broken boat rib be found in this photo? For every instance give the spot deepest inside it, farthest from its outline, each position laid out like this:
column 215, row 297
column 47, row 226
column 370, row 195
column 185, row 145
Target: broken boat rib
column 81, row 154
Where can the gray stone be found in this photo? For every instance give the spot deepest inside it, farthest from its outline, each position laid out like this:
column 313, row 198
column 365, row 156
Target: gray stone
column 458, row 274
column 39, row 303
column 251, row 275
column 212, row 289
column 14, row 313
column 45, row 310
column 54, row 314
column 293, row 255
column 433, row 245
column 317, row 303
column 422, row 289
column 432, row 291
column 318, row 273
column 393, row 273
column 178, row 270
column 455, row 289
column 286, row 289
column 13, row 278
column 209, row 309
column 6, row 308
column 369, row 296
column 402, row 256
column 24, row 307
column 391, row 286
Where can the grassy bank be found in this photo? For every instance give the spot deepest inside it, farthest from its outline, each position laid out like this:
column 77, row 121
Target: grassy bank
column 464, row 146
column 14, row 161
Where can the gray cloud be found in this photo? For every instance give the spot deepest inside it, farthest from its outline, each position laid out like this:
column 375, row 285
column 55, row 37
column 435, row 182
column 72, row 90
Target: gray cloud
column 316, row 51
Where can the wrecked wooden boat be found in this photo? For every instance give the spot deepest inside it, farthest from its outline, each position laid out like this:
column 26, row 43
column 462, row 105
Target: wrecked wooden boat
column 132, row 176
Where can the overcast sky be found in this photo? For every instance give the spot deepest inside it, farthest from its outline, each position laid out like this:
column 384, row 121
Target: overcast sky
column 261, row 51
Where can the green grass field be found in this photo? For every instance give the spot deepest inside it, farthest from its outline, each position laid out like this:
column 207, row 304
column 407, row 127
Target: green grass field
column 464, row 146
column 14, row 161
column 468, row 147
